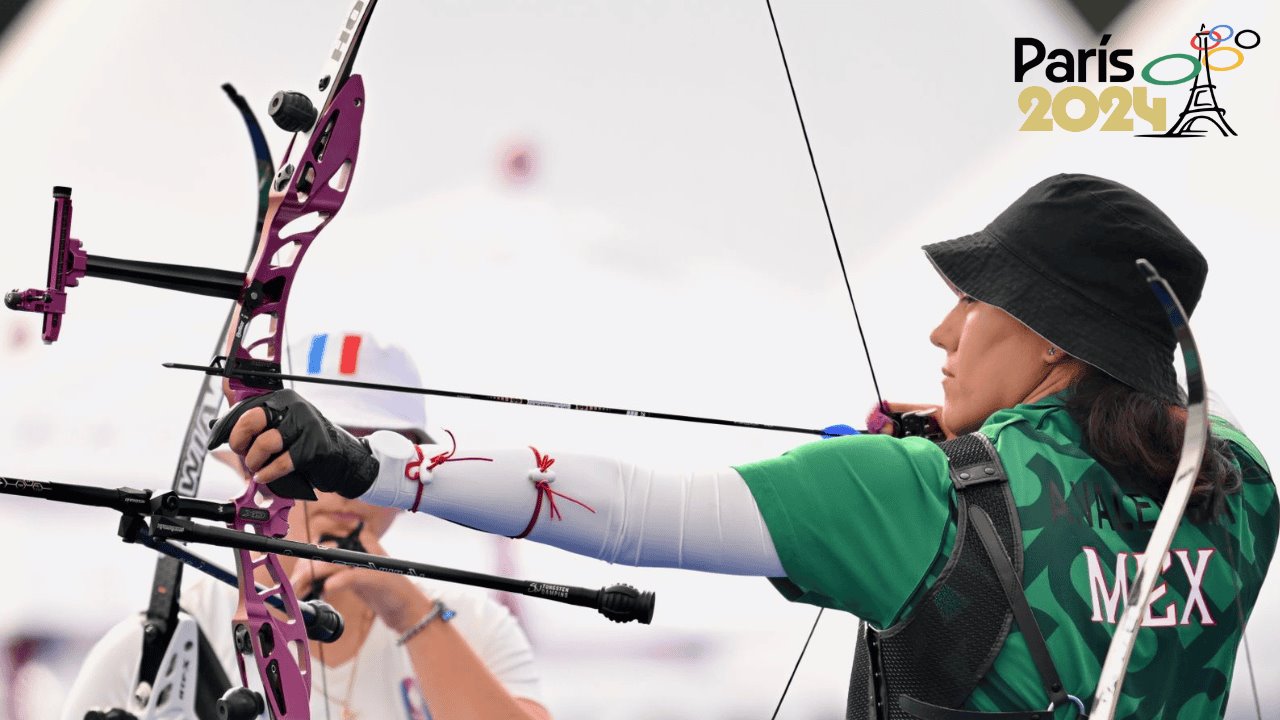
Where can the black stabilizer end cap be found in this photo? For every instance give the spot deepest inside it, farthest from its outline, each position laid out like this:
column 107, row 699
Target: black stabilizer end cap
column 241, row 704
column 292, row 111
column 112, row 714
column 622, row 603
column 324, row 624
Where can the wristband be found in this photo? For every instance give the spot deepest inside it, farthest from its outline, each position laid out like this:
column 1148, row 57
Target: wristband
column 439, row 611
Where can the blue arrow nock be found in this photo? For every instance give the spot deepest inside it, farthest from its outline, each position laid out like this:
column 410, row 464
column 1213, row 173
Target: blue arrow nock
column 832, row 431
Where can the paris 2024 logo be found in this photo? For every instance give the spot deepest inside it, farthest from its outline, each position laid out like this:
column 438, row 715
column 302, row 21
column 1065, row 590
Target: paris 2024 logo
column 1075, row 108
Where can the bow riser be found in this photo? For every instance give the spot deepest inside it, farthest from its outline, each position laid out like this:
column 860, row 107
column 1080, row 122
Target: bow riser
column 315, row 192
column 306, row 197
column 307, row 192
column 278, row 644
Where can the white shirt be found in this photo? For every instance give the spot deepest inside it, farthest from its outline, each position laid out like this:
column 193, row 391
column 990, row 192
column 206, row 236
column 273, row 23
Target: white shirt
column 385, row 685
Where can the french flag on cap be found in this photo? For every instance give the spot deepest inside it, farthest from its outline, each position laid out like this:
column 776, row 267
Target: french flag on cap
column 327, row 352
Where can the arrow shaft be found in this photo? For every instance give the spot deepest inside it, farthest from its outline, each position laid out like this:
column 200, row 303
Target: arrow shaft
column 483, row 397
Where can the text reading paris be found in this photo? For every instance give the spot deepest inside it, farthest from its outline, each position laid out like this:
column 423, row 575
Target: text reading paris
column 1075, row 108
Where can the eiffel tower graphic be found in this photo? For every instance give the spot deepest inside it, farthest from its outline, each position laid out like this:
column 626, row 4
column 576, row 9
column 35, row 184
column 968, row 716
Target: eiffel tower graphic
column 1202, row 103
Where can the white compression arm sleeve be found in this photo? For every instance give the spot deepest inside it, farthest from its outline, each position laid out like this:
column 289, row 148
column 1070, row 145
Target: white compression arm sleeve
column 698, row 521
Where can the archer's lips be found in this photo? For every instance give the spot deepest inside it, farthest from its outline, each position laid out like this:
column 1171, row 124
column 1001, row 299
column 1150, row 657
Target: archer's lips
column 345, row 517
column 947, row 373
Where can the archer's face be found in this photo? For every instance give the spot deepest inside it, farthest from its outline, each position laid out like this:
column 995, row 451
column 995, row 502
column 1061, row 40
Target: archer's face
column 332, row 514
column 329, row 513
column 993, row 362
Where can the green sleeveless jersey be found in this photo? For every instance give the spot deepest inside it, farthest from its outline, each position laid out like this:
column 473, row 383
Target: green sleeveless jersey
column 865, row 523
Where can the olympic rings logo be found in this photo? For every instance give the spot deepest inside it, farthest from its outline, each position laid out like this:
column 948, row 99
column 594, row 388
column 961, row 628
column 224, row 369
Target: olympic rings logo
column 1218, row 34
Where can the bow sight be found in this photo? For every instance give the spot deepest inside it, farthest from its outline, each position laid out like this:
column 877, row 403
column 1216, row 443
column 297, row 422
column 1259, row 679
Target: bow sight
column 68, row 262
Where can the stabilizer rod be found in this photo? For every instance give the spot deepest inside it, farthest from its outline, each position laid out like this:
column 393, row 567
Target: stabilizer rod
column 184, row 278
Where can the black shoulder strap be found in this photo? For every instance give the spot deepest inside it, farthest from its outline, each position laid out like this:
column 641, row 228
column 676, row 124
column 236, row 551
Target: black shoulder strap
column 1022, row 614
column 974, row 462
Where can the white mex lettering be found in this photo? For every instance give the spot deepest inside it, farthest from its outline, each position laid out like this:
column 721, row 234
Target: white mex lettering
column 1107, row 595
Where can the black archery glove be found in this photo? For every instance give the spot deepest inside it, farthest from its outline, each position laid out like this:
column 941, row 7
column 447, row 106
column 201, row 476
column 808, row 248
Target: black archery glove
column 325, row 456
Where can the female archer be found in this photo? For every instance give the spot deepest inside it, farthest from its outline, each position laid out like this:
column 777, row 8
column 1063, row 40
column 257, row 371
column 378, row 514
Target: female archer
column 991, row 568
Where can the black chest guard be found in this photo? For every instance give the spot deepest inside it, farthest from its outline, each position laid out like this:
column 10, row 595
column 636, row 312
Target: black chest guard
column 925, row 666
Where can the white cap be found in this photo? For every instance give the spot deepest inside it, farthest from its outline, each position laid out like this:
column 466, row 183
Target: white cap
column 360, row 357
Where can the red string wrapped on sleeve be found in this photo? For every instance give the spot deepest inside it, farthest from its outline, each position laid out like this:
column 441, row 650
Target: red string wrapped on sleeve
column 413, row 470
column 543, row 484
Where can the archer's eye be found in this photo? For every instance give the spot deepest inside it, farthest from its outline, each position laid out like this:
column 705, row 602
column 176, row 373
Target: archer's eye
column 966, row 299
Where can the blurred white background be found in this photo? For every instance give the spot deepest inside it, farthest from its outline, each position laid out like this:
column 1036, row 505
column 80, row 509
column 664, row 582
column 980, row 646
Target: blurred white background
column 666, row 251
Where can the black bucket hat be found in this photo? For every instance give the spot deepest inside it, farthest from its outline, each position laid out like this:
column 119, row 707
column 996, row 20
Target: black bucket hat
column 1061, row 258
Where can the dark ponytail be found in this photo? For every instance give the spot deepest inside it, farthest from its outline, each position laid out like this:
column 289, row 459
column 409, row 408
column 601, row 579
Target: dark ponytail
column 1138, row 438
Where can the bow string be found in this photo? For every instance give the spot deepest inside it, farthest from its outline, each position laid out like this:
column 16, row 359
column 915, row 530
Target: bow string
column 844, row 274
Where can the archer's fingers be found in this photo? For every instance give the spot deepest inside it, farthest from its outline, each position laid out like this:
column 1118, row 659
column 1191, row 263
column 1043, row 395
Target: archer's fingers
column 221, row 431
column 301, row 577
column 274, row 470
column 369, row 540
column 902, row 407
column 263, row 448
column 308, row 572
column 249, row 426
column 342, row 578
